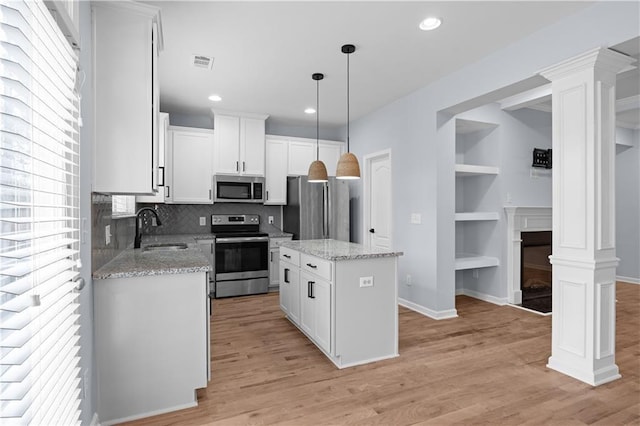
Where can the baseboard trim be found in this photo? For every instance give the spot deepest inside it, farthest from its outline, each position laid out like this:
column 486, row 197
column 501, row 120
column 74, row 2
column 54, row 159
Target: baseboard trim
column 153, row 413
column 628, row 279
column 95, row 421
column 500, row 301
column 437, row 315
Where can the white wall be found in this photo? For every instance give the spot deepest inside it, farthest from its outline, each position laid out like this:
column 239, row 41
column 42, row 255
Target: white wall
column 423, row 153
column 628, row 206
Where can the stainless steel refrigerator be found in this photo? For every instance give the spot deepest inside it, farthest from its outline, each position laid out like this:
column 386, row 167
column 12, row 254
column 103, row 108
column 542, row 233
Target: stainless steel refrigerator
column 317, row 210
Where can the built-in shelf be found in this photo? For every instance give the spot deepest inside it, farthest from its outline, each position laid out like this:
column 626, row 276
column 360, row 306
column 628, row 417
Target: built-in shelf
column 472, row 216
column 474, row 170
column 471, row 261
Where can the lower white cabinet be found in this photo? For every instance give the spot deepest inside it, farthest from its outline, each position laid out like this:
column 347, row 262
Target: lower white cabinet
column 207, row 246
column 274, row 261
column 189, row 159
column 347, row 307
column 151, row 344
column 290, row 290
column 315, row 309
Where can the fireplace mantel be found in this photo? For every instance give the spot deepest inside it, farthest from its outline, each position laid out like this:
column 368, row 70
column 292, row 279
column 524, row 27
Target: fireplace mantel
column 521, row 219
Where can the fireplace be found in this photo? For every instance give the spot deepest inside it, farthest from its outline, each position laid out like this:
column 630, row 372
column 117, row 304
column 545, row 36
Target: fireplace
column 535, row 270
column 520, row 221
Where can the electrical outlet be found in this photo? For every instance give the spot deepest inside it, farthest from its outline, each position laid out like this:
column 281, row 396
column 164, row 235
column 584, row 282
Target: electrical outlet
column 409, row 279
column 366, row 281
column 154, row 221
column 107, row 234
column 270, row 219
column 203, row 221
column 416, row 218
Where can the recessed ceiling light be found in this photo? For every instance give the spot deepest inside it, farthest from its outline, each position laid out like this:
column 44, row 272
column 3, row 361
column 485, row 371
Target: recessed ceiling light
column 430, row 23
column 215, row 98
column 309, row 111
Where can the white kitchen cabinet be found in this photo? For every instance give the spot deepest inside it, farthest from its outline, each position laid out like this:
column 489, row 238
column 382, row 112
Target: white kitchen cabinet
column 348, row 304
column 301, row 154
column 152, row 344
column 239, row 144
column 315, row 309
column 277, row 152
column 163, row 135
column 330, row 153
column 290, row 285
column 126, row 38
column 274, row 261
column 207, row 246
column 189, row 166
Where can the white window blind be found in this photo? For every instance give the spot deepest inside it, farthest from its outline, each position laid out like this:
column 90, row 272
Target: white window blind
column 39, row 219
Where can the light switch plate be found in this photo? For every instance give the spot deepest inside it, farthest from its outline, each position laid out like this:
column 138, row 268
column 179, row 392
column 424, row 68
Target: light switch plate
column 203, row 221
column 107, row 234
column 366, row 281
column 416, row 218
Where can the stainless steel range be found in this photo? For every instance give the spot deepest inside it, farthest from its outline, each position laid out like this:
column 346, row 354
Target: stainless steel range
column 241, row 255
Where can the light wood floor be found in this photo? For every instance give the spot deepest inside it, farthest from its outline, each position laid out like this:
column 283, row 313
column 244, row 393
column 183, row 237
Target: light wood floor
column 485, row 367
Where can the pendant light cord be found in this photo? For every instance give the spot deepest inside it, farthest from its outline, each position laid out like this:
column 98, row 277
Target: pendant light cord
column 348, row 54
column 317, row 120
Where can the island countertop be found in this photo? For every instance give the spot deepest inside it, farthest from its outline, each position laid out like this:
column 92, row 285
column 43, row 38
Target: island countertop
column 337, row 250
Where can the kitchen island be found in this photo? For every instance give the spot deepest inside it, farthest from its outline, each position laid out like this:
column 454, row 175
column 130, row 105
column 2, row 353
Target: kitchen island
column 343, row 297
column 151, row 311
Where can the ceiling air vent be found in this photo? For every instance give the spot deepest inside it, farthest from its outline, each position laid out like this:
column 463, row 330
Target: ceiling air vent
column 201, row 61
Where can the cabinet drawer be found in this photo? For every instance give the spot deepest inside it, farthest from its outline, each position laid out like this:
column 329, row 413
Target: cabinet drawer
column 291, row 256
column 315, row 265
column 274, row 242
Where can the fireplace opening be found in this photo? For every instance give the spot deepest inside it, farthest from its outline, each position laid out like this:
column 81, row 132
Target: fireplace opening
column 535, row 271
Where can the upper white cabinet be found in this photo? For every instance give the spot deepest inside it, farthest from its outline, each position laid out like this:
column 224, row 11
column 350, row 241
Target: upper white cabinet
column 239, row 144
column 126, row 40
column 189, row 166
column 330, row 153
column 163, row 136
column 276, row 171
column 301, row 155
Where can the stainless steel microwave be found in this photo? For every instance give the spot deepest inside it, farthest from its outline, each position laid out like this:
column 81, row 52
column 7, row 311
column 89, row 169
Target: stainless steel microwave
column 238, row 189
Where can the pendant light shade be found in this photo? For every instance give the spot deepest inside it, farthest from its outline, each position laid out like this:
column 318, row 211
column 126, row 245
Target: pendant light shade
column 348, row 166
column 317, row 170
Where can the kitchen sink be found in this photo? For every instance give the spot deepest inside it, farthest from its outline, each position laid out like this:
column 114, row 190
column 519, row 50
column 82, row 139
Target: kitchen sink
column 165, row 246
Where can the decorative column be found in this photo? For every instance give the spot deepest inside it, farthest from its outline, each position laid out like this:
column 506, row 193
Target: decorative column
column 584, row 253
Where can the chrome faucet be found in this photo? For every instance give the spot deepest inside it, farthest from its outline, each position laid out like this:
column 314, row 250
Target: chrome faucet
column 138, row 239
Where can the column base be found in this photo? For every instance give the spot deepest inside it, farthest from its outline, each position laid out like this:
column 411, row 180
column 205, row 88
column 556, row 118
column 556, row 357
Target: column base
column 593, row 378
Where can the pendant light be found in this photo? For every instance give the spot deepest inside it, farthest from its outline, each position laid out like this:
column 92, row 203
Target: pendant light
column 348, row 167
column 317, row 170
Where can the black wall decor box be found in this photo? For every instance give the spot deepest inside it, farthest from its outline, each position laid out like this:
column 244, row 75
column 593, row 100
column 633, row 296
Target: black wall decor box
column 541, row 158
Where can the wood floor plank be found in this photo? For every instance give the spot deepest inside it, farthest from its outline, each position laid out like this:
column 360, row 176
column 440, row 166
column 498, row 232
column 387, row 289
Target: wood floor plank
column 488, row 366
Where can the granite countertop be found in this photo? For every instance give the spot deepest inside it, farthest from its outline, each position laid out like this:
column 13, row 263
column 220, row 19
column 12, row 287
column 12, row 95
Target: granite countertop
column 337, row 250
column 139, row 263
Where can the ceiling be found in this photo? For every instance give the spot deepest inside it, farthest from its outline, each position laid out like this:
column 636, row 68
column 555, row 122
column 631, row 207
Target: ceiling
column 265, row 52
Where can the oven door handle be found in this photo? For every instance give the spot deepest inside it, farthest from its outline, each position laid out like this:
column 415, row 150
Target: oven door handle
column 241, row 239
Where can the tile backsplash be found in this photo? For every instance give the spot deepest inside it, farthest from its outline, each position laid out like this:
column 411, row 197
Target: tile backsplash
column 122, row 231
column 185, row 218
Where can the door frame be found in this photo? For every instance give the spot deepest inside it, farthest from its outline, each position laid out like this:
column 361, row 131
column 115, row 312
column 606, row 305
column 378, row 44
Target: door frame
column 366, row 195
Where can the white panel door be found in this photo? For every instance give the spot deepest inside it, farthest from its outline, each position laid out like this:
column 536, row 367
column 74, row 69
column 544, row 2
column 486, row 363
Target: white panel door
column 379, row 196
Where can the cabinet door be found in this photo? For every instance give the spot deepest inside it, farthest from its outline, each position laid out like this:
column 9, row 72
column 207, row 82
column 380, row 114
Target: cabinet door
column 276, row 172
column 330, row 154
column 290, row 291
column 307, row 305
column 274, row 268
column 191, row 175
column 321, row 292
column 301, row 155
column 252, row 146
column 163, row 136
column 227, row 144
column 123, row 130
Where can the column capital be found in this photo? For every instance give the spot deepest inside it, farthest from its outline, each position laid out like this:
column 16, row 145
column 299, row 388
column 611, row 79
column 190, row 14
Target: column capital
column 600, row 57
